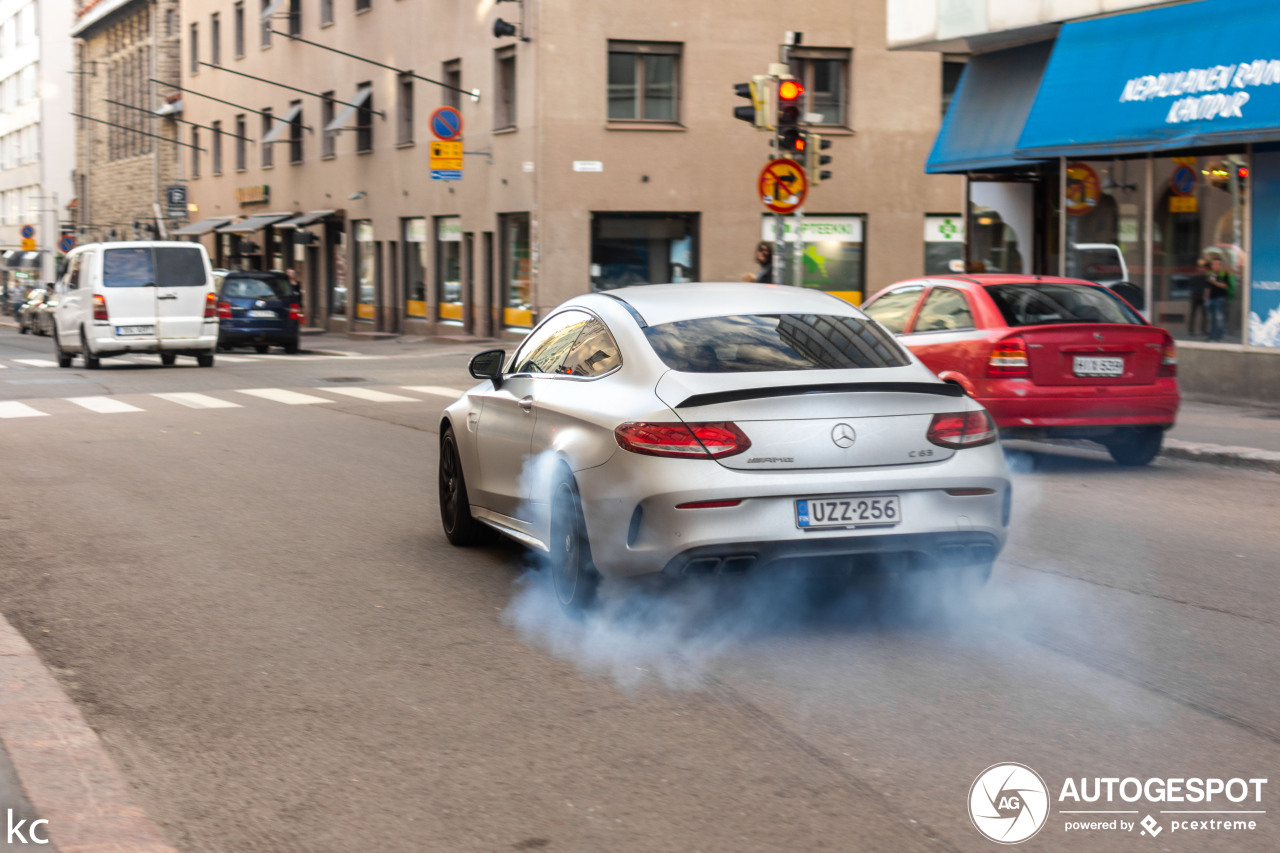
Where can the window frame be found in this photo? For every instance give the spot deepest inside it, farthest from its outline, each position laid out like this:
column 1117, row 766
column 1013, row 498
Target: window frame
column 328, row 138
column 405, row 109
column 193, row 48
column 506, row 86
column 802, row 64
column 242, row 150
column 364, row 118
column 237, row 26
column 266, row 148
column 216, row 167
column 945, row 292
column 215, row 39
column 296, row 154
column 641, row 50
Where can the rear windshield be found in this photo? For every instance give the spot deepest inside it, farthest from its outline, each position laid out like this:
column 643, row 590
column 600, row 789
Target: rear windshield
column 746, row 343
column 1039, row 304
column 166, row 266
column 274, row 287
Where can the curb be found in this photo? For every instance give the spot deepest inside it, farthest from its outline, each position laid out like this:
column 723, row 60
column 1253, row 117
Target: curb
column 64, row 769
column 1221, row 454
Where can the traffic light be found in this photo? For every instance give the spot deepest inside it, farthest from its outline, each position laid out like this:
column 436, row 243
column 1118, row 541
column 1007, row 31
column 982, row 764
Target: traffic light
column 760, row 91
column 791, row 142
column 815, row 159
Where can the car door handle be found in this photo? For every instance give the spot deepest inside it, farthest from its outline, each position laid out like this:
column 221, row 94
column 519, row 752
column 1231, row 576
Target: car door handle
column 526, row 403
column 166, row 296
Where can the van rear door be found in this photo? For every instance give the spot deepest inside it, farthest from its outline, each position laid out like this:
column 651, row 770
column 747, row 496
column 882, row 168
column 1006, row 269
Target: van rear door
column 181, row 284
column 128, row 279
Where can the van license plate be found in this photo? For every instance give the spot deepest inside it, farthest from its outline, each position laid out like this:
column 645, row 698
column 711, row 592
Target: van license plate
column 135, row 330
column 1087, row 365
column 263, row 314
column 849, row 511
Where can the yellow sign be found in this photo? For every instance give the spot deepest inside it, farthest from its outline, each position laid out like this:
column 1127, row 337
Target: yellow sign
column 28, row 244
column 1184, row 204
column 446, row 155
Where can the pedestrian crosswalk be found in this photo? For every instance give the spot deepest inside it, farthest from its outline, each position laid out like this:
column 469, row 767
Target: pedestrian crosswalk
column 229, row 399
column 153, row 360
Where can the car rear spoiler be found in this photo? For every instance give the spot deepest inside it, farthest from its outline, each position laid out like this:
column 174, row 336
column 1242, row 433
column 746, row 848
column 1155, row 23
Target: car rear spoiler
column 940, row 389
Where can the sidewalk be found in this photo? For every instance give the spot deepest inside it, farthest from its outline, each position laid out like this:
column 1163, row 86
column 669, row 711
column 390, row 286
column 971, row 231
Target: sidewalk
column 54, row 767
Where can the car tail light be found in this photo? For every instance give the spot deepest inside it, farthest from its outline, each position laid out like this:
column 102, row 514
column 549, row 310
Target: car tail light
column 224, row 310
column 963, row 429
column 708, row 440
column 1168, row 359
column 295, row 313
column 213, row 309
column 100, row 307
column 1008, row 359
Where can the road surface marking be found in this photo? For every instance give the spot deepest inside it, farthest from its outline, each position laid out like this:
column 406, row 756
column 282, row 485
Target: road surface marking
column 451, row 393
column 237, row 359
column 36, row 362
column 11, row 409
column 280, row 395
column 192, row 400
column 103, row 405
column 373, row 396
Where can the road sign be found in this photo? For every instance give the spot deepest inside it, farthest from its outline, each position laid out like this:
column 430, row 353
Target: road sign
column 28, row 231
column 1183, row 180
column 783, row 185
column 28, row 244
column 446, row 174
column 446, row 124
column 67, row 243
column 175, row 196
column 446, row 155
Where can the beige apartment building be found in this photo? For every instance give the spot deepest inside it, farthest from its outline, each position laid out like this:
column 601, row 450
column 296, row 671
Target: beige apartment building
column 598, row 143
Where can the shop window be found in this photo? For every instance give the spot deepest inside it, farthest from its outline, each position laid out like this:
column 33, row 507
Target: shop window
column 943, row 244
column 338, row 289
column 366, row 267
column 643, row 248
column 825, row 75
column 517, row 270
column 643, row 81
column 831, row 257
column 449, row 267
column 413, row 235
column 1001, row 223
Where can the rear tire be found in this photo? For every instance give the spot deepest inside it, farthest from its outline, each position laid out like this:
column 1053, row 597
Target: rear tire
column 291, row 348
column 460, row 527
column 22, row 327
column 260, row 348
column 205, row 359
column 1136, row 446
column 91, row 361
column 168, row 358
column 573, row 575
column 64, row 358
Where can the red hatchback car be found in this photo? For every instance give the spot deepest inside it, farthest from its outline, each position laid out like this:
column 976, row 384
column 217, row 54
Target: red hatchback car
column 1048, row 357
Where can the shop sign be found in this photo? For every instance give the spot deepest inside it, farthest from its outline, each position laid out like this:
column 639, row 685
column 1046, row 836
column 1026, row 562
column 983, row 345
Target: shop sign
column 1083, row 189
column 838, row 229
column 256, row 194
column 944, row 229
column 1224, row 87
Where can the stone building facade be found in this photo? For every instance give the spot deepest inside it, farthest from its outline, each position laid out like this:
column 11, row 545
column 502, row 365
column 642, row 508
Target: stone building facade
column 128, row 146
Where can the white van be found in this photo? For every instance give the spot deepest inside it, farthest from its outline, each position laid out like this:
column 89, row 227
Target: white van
column 140, row 296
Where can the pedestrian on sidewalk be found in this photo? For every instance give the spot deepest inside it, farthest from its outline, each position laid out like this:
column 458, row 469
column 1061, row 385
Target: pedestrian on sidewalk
column 764, row 260
column 1198, row 287
column 1222, row 286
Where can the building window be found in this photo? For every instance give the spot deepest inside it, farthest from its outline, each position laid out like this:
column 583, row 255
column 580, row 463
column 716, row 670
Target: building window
column 824, row 72
column 215, row 39
column 328, row 138
column 338, row 288
column 951, row 71
column 217, row 148
column 504, row 103
column 363, row 5
column 364, row 117
column 643, row 248
column 643, row 81
column 943, row 244
column 404, row 112
column 517, row 271
column 295, row 17
column 268, row 9
column 268, row 124
column 414, row 237
column 295, row 132
column 365, row 264
column 449, row 267
column 452, row 77
column 326, row 12
column 193, row 45
column 242, row 151
column 195, row 152
column 237, row 24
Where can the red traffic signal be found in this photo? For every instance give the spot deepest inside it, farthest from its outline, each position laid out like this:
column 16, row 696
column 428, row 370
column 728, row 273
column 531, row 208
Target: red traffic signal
column 790, row 90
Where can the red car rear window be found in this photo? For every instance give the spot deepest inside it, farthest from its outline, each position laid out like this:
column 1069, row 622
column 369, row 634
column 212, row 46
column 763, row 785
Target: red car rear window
column 1053, row 302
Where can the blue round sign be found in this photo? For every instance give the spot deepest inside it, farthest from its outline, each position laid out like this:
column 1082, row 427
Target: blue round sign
column 1183, row 180
column 28, row 231
column 67, row 243
column 446, row 124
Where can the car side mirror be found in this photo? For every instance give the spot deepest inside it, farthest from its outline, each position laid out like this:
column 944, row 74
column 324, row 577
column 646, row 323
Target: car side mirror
column 488, row 365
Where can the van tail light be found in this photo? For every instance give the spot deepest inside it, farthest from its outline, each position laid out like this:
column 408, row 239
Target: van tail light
column 224, row 310
column 1168, row 359
column 100, row 307
column 212, row 309
column 680, row 440
column 295, row 313
column 963, row 429
column 1008, row 359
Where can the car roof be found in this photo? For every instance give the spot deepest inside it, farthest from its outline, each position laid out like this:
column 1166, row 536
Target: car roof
column 667, row 303
column 985, row 279
column 251, row 273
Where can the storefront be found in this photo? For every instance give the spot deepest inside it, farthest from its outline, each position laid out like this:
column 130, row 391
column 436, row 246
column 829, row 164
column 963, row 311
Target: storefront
column 1138, row 148
column 829, row 256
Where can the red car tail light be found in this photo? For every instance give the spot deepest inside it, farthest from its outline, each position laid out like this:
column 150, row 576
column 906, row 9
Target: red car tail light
column 100, row 307
column 707, row 440
column 1008, row 359
column 963, row 429
column 212, row 310
column 295, row 313
column 224, row 310
column 1168, row 359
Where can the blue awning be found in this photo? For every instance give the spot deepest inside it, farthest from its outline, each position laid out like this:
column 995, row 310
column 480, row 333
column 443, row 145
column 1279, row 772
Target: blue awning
column 1187, row 76
column 989, row 108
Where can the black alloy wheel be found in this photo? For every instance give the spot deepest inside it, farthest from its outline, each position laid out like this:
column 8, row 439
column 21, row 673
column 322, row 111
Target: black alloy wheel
column 460, row 527
column 573, row 575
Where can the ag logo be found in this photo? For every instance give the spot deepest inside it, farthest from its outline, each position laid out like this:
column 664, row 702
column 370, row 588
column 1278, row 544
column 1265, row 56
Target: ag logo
column 1008, row 803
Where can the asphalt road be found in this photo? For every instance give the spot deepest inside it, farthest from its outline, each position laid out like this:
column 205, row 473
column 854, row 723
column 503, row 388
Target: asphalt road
column 256, row 610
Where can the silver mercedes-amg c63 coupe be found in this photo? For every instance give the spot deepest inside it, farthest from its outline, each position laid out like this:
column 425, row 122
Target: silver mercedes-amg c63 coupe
column 701, row 429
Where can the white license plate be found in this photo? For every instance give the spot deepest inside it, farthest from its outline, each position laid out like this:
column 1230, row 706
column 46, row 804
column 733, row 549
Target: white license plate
column 266, row 314
column 852, row 511
column 1088, row 365
column 135, row 330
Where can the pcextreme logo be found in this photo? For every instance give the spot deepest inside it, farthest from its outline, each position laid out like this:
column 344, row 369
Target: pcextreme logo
column 1009, row 803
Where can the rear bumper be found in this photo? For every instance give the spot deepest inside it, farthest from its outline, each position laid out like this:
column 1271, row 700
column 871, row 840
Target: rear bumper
column 103, row 342
column 257, row 333
column 1089, row 406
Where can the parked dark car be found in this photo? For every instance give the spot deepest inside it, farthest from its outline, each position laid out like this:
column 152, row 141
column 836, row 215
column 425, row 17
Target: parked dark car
column 257, row 309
